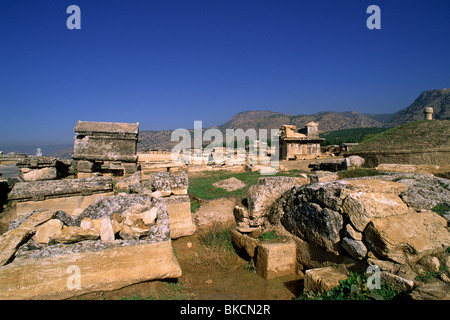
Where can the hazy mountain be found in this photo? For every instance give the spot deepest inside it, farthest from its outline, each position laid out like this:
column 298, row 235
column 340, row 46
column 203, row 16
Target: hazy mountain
column 328, row 121
column 439, row 99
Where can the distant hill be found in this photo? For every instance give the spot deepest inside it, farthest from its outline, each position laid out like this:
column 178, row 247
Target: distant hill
column 439, row 99
column 328, row 121
column 414, row 135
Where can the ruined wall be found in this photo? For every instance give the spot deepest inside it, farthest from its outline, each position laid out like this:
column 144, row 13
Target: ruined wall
column 438, row 157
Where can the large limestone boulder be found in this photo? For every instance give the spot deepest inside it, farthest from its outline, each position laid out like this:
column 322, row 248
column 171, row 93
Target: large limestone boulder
column 407, row 238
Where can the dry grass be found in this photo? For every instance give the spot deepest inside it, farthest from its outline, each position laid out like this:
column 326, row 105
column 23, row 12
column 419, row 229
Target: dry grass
column 216, row 248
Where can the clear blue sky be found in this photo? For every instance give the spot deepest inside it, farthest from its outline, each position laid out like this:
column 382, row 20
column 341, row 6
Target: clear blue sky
column 167, row 63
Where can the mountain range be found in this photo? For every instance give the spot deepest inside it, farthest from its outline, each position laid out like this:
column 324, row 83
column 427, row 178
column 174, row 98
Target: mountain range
column 328, row 121
column 439, row 99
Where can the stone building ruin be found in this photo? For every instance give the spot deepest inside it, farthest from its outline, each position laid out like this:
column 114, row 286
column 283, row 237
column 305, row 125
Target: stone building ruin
column 299, row 143
column 106, row 147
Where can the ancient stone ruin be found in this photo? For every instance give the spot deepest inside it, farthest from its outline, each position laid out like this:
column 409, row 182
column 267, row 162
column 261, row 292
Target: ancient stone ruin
column 105, row 147
column 383, row 221
column 299, row 143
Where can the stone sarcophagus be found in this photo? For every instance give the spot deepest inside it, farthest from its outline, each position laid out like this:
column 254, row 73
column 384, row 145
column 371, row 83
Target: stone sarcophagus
column 106, row 147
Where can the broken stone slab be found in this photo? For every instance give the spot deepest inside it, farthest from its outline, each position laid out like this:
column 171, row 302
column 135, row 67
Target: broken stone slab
column 73, row 205
column 67, row 271
column 48, row 230
column 408, row 237
column 395, row 282
column 407, row 168
column 323, row 279
column 168, row 183
column 120, row 205
column 108, row 206
column 322, row 176
column 334, row 165
column 276, row 259
column 41, row 190
column 10, row 242
column 362, row 207
column 74, row 234
column 125, row 183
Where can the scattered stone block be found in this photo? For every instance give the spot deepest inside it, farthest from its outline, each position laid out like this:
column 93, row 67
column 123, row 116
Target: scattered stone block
column 106, row 231
column 275, row 259
column 47, row 230
column 323, row 279
column 10, row 241
column 74, row 234
column 180, row 216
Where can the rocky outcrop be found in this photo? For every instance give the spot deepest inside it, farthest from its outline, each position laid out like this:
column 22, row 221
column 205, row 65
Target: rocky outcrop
column 383, row 220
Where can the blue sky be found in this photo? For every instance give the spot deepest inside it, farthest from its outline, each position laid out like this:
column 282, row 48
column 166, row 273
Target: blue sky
column 167, row 63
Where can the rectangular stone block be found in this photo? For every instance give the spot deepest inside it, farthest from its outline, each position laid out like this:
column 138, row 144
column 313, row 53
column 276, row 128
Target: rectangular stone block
column 180, row 216
column 276, row 259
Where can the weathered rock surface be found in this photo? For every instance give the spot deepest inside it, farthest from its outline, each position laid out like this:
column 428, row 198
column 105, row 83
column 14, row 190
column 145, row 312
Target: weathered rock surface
column 408, row 237
column 362, row 207
column 180, row 216
column 168, row 183
column 126, row 183
column 55, row 276
column 317, row 225
column 276, row 259
column 40, row 190
column 266, row 192
column 10, row 241
column 323, row 279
